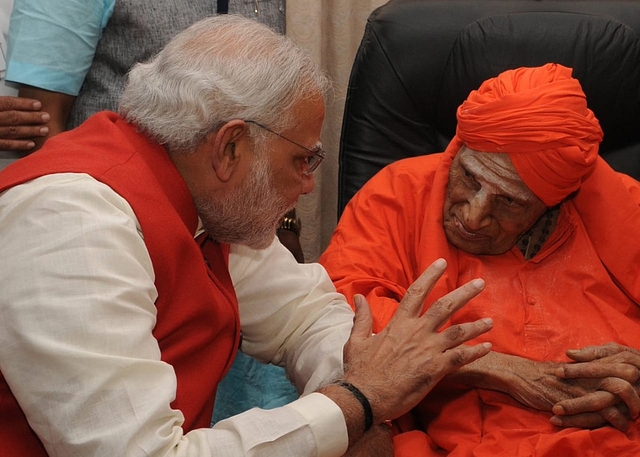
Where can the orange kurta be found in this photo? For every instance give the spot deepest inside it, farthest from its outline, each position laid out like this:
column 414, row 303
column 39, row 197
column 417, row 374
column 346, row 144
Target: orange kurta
column 564, row 298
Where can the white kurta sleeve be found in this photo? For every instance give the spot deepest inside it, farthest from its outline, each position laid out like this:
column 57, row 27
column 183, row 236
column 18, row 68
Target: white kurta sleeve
column 290, row 313
column 76, row 346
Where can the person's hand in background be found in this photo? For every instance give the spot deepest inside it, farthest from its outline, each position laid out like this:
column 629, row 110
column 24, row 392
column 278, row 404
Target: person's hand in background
column 20, row 122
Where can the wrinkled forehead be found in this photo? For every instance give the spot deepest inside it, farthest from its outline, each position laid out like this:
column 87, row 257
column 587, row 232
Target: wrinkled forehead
column 495, row 170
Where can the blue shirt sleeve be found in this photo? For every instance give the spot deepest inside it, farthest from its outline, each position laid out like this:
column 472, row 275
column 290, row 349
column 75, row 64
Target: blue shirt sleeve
column 52, row 42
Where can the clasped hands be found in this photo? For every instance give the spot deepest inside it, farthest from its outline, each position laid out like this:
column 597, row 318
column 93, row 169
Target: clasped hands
column 609, row 376
column 601, row 386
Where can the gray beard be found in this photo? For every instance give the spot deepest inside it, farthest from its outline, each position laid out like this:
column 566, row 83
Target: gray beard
column 249, row 215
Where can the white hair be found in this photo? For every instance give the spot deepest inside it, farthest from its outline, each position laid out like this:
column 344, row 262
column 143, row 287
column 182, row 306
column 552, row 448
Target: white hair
column 221, row 68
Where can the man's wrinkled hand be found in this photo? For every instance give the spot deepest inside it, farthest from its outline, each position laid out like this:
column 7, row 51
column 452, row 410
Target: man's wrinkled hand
column 397, row 367
column 616, row 398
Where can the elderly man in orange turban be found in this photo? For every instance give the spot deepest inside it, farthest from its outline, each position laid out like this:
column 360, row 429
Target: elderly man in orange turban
column 520, row 198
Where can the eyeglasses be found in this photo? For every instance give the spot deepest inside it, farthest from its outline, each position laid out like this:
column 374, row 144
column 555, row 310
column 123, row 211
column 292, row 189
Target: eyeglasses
column 316, row 155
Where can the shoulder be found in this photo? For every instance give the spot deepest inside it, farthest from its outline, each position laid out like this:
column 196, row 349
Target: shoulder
column 419, row 166
column 633, row 186
column 412, row 175
column 629, row 182
column 403, row 187
column 52, row 42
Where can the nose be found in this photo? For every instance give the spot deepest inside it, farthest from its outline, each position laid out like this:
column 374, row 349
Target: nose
column 308, row 183
column 478, row 212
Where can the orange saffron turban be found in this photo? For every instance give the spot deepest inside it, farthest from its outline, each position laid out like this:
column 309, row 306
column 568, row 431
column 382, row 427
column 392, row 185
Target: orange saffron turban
column 538, row 116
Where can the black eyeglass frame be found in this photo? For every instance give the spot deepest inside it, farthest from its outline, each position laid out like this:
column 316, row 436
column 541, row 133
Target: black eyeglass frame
column 315, row 156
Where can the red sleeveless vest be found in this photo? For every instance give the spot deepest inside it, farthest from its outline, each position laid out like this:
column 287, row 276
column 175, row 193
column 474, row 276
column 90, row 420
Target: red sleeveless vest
column 197, row 324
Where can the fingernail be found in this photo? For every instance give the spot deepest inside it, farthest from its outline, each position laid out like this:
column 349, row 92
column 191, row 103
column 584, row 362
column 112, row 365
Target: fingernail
column 37, row 105
column 440, row 263
column 46, row 117
column 555, row 420
column 44, row 130
column 31, row 144
column 478, row 283
column 487, row 320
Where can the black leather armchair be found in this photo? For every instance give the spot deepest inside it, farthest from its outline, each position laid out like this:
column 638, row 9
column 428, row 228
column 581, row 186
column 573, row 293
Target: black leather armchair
column 419, row 59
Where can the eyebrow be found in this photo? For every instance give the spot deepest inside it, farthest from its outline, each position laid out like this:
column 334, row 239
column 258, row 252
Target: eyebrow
column 467, row 170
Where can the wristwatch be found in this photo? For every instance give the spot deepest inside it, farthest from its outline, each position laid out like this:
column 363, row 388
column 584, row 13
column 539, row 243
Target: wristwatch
column 292, row 224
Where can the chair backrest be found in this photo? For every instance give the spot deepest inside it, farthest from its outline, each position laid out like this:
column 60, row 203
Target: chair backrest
column 419, row 59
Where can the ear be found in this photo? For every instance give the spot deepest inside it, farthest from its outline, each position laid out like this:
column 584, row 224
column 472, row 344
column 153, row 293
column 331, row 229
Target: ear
column 225, row 152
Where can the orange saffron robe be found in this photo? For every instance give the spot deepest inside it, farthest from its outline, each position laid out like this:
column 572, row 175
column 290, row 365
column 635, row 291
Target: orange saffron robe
column 563, row 298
